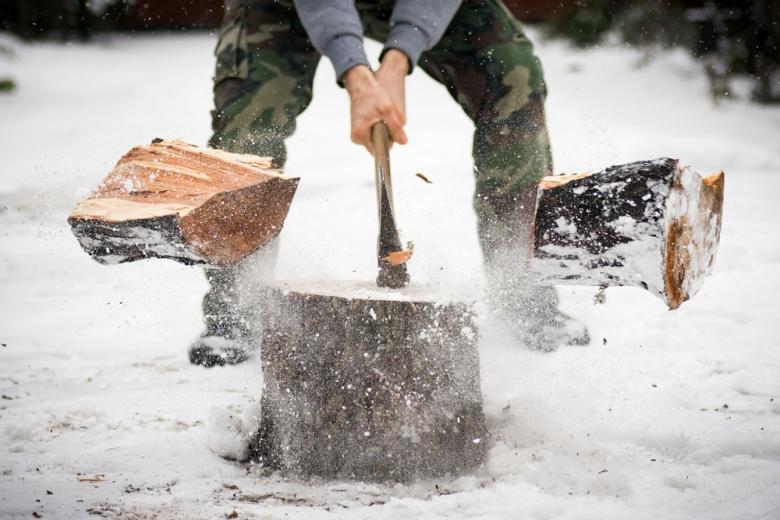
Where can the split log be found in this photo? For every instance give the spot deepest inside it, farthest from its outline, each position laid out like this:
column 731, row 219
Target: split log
column 175, row 200
column 652, row 224
column 368, row 383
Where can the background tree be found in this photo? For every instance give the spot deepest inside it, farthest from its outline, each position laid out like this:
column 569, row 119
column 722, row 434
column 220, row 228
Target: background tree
column 729, row 37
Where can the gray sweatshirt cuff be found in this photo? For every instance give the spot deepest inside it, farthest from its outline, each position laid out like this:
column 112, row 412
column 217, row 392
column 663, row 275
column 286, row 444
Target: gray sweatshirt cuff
column 408, row 39
column 345, row 51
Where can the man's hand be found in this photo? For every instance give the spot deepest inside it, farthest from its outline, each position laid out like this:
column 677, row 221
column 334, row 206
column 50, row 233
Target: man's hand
column 392, row 77
column 370, row 102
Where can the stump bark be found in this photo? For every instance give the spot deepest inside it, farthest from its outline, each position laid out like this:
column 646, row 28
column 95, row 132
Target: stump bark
column 651, row 224
column 364, row 383
column 175, row 200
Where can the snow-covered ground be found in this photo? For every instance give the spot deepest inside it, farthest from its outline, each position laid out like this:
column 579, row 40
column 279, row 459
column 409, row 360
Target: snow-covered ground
column 665, row 415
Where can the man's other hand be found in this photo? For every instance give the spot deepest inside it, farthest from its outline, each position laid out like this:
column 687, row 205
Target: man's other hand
column 392, row 77
column 371, row 102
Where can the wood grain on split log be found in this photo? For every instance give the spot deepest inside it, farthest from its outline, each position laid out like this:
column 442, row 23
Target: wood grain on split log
column 369, row 383
column 175, row 200
column 651, row 224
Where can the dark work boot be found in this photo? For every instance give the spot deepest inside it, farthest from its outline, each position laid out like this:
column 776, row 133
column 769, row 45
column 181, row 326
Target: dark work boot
column 225, row 340
column 531, row 313
column 530, row 310
column 211, row 351
column 233, row 309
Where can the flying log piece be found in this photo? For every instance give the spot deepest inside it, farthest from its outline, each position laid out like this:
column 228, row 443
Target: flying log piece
column 175, row 200
column 652, row 224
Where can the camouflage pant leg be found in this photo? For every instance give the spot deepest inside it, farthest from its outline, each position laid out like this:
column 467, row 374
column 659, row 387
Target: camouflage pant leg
column 220, row 306
column 488, row 65
column 263, row 80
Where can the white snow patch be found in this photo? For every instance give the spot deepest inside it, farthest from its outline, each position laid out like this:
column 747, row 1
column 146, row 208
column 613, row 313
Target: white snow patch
column 564, row 227
column 226, row 434
column 625, row 225
column 644, row 402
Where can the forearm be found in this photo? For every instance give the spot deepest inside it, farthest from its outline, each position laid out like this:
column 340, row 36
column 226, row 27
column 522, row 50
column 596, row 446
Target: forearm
column 335, row 30
column 417, row 26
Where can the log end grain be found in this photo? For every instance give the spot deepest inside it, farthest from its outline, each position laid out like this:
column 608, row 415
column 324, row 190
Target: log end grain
column 694, row 217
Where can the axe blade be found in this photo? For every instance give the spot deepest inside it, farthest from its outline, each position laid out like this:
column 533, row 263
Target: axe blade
column 393, row 276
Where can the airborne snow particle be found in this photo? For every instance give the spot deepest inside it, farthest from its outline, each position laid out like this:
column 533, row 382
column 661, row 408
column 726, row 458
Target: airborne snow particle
column 476, row 441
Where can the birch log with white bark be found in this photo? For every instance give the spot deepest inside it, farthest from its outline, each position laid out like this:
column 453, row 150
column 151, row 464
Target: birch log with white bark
column 651, row 224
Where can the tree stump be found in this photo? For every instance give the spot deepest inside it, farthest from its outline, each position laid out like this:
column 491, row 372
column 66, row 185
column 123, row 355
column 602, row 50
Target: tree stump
column 651, row 224
column 175, row 200
column 367, row 383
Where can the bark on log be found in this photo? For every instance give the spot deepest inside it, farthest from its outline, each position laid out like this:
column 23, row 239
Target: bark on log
column 175, row 200
column 651, row 224
column 366, row 383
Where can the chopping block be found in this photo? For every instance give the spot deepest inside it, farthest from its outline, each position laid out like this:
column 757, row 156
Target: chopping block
column 361, row 382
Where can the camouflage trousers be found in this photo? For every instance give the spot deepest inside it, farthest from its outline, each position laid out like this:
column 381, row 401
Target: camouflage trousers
column 263, row 81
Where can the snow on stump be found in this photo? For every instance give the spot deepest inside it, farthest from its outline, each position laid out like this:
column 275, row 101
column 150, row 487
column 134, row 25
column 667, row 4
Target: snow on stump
column 651, row 224
column 175, row 200
column 366, row 383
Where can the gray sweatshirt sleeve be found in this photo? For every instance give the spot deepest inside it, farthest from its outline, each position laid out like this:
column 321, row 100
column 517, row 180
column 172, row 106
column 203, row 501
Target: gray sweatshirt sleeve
column 416, row 26
column 335, row 30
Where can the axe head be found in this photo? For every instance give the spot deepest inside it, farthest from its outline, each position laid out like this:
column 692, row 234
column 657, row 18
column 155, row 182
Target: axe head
column 390, row 274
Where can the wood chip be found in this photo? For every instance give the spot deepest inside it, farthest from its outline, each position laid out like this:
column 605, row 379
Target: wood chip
column 96, row 478
column 398, row 257
column 424, row 178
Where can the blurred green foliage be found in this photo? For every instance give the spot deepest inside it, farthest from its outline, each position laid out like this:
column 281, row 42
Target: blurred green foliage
column 7, row 85
column 729, row 37
column 586, row 25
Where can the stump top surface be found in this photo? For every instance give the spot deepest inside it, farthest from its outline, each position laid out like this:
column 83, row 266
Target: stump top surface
column 369, row 291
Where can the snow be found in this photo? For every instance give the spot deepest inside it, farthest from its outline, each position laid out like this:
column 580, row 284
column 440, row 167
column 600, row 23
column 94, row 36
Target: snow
column 367, row 289
column 229, row 431
column 665, row 414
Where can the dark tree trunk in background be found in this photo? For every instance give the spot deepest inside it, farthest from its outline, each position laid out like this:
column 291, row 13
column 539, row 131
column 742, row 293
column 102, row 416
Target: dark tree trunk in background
column 83, row 15
column 764, row 41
